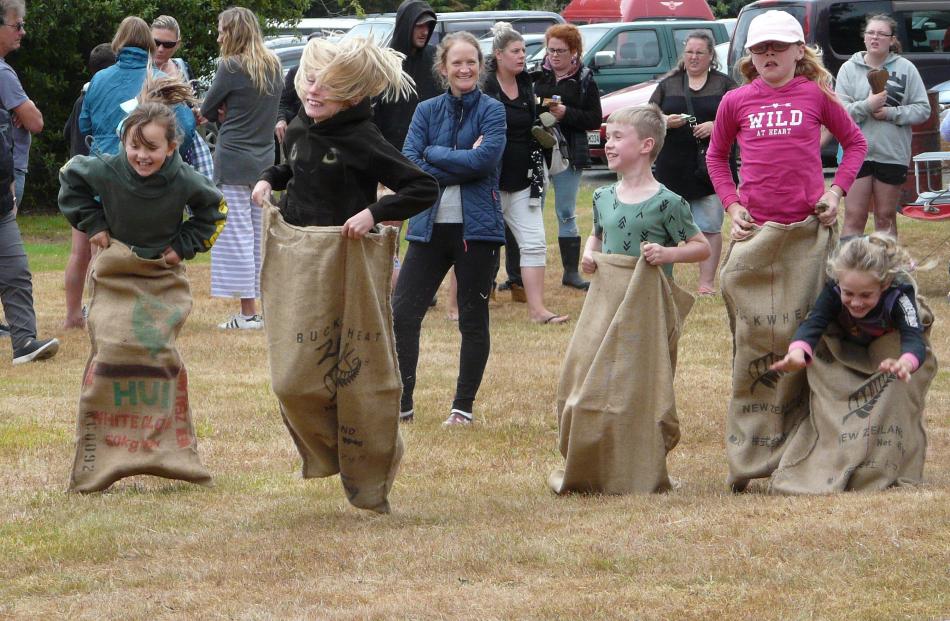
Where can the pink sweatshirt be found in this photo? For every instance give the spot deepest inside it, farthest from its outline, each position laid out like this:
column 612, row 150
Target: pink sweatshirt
column 778, row 132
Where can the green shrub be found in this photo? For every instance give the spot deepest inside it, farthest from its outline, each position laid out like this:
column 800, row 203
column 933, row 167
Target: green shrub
column 52, row 62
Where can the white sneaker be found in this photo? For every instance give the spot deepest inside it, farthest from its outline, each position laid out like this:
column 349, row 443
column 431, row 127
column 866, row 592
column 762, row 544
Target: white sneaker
column 458, row 417
column 240, row 322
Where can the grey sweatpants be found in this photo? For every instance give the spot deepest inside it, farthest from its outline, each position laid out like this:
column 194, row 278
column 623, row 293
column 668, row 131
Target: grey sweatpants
column 16, row 283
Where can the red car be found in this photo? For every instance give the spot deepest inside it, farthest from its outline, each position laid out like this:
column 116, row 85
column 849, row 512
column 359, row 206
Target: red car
column 635, row 95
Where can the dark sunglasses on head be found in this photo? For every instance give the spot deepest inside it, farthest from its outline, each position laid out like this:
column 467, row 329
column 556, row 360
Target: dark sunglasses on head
column 762, row 48
column 165, row 44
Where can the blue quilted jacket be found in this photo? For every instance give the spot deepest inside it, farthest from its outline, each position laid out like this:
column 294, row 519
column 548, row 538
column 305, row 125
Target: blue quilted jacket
column 109, row 88
column 440, row 141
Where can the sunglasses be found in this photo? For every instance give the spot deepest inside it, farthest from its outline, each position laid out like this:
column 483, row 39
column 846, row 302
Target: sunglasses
column 762, row 48
column 165, row 44
column 20, row 26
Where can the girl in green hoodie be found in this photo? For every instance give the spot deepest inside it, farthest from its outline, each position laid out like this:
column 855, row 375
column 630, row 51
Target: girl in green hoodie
column 139, row 195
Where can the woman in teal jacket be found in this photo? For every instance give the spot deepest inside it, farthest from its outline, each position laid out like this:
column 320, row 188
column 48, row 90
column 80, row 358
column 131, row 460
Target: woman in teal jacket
column 110, row 88
column 458, row 138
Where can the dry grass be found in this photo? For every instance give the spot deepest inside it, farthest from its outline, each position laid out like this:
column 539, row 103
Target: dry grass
column 475, row 533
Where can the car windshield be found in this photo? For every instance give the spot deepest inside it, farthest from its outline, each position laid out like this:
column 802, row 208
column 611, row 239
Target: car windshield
column 380, row 31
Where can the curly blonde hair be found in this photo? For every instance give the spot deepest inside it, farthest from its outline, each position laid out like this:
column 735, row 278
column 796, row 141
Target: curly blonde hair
column 353, row 70
column 809, row 65
column 242, row 46
column 877, row 254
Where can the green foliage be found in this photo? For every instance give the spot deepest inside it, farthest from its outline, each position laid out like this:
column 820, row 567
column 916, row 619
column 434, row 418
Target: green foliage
column 727, row 8
column 52, row 61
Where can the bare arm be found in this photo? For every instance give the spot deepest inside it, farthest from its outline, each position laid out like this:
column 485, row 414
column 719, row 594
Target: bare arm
column 28, row 116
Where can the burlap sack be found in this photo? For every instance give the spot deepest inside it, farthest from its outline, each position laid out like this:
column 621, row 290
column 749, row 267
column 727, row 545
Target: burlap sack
column 328, row 318
column 134, row 415
column 865, row 428
column 615, row 402
column 769, row 283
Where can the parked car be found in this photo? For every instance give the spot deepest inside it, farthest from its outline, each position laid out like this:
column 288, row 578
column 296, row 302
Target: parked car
column 478, row 23
column 532, row 43
column 324, row 27
column 596, row 11
column 836, row 27
column 627, row 53
column 635, row 95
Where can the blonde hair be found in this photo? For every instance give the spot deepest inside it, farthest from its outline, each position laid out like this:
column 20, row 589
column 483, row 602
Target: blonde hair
column 878, row 254
column 446, row 44
column 647, row 120
column 167, row 22
column 353, row 69
column 243, row 45
column 167, row 90
column 133, row 32
column 809, row 65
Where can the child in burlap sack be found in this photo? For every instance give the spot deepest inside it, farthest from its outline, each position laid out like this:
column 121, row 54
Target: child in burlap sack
column 638, row 215
column 864, row 430
column 776, row 117
column 134, row 409
column 103, row 196
column 616, row 407
column 327, row 267
column 870, row 294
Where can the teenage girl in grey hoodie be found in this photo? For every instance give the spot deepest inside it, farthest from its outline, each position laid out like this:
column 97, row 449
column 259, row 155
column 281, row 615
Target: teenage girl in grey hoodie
column 885, row 120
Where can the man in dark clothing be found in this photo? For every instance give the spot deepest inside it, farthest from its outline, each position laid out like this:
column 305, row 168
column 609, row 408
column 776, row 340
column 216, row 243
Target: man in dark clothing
column 415, row 21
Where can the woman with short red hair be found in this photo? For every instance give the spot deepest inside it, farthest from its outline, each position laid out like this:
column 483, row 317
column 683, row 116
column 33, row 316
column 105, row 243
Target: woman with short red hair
column 568, row 91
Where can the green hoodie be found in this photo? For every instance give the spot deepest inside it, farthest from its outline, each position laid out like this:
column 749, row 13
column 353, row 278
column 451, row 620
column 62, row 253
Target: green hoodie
column 104, row 193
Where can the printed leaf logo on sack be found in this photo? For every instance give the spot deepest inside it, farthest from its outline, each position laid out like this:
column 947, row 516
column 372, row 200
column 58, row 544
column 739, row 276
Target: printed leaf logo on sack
column 153, row 322
column 761, row 374
column 861, row 402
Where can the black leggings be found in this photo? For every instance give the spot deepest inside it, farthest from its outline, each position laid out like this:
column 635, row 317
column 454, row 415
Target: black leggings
column 423, row 269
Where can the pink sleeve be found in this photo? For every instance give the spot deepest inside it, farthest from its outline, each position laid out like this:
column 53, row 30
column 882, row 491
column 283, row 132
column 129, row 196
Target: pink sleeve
column 805, row 347
column 912, row 359
column 725, row 130
column 843, row 127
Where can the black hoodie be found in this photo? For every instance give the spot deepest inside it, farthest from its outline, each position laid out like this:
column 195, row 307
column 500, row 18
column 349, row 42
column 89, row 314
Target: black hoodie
column 393, row 118
column 333, row 167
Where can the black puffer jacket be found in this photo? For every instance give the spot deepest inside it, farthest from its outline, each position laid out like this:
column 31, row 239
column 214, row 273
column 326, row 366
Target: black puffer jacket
column 393, row 117
column 580, row 95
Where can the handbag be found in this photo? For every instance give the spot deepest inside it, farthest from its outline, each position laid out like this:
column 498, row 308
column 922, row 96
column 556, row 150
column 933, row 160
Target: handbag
column 559, row 154
column 701, row 172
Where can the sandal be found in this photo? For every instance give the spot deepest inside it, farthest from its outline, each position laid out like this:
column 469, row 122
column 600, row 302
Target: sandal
column 554, row 320
column 705, row 292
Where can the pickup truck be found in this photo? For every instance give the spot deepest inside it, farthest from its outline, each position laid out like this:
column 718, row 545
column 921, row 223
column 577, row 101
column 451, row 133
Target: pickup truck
column 627, row 53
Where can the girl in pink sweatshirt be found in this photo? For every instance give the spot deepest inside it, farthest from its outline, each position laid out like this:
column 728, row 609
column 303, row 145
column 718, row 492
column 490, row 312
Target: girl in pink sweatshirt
column 776, row 118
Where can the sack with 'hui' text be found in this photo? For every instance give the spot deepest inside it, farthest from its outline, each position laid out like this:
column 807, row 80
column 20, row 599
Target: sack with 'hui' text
column 769, row 283
column 615, row 403
column 328, row 318
column 134, row 413
column 865, row 428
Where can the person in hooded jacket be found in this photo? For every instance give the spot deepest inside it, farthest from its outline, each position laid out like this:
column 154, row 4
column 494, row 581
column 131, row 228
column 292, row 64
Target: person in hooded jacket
column 415, row 21
column 885, row 119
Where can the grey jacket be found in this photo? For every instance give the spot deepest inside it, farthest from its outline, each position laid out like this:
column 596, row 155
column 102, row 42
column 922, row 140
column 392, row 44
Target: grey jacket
column 245, row 143
column 907, row 104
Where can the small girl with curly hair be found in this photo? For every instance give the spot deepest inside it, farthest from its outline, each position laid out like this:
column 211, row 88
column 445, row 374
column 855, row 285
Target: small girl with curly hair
column 870, row 294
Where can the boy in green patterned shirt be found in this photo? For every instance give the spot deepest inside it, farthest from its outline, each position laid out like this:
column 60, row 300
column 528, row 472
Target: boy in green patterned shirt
column 639, row 216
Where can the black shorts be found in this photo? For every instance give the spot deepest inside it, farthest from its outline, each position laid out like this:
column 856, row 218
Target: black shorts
column 891, row 174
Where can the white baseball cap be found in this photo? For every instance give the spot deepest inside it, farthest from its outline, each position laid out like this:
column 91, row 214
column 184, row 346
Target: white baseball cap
column 774, row 26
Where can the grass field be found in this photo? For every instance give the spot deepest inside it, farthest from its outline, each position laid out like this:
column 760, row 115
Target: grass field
column 475, row 533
